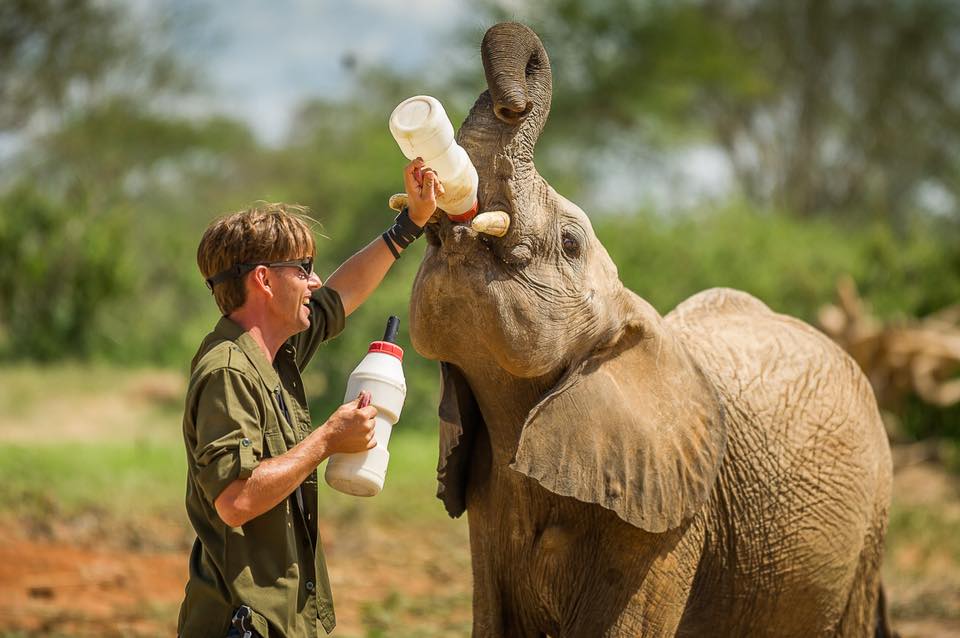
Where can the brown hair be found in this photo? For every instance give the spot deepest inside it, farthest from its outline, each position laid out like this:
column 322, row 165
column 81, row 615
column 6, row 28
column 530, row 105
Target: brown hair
column 267, row 232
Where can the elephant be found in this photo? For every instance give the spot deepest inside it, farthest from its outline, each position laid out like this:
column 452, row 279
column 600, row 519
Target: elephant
column 719, row 471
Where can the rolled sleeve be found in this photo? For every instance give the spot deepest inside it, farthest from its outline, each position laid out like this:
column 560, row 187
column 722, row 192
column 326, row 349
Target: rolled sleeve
column 229, row 433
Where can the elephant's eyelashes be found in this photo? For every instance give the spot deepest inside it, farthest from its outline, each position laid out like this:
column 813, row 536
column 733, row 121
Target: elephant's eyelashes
column 571, row 245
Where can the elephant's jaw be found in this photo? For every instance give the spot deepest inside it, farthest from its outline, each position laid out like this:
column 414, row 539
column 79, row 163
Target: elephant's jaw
column 468, row 303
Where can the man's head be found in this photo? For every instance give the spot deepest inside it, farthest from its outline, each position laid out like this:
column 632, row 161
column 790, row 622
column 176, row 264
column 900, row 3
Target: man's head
column 253, row 241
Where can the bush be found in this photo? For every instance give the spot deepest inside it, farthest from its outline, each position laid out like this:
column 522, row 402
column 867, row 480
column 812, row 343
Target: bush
column 61, row 269
column 790, row 264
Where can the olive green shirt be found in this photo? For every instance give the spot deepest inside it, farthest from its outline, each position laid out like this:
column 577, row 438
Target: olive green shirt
column 239, row 410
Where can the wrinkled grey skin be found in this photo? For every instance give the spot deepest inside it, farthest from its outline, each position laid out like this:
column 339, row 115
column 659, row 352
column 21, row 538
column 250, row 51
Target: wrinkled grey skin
column 721, row 471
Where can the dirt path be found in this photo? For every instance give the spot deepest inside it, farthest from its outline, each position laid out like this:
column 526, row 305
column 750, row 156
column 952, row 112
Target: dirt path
column 398, row 579
column 403, row 577
column 55, row 589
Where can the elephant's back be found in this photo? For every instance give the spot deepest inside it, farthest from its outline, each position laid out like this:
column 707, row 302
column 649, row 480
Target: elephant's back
column 806, row 480
column 788, row 388
column 777, row 368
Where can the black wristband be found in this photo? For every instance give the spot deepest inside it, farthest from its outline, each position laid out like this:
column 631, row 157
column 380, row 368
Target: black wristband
column 407, row 225
column 404, row 232
column 386, row 239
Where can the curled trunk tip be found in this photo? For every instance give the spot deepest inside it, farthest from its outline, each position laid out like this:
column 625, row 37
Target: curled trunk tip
column 517, row 70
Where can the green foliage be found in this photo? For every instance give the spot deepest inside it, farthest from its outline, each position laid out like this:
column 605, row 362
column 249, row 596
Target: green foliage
column 57, row 53
column 61, row 269
column 845, row 108
column 791, row 265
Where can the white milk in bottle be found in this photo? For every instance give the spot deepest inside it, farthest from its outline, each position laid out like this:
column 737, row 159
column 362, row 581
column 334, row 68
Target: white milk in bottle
column 381, row 374
column 422, row 129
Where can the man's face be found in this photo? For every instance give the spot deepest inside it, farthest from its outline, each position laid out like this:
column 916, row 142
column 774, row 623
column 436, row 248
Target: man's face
column 292, row 288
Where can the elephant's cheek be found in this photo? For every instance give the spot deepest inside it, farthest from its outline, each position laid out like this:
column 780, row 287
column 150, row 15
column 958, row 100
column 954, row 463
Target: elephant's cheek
column 444, row 309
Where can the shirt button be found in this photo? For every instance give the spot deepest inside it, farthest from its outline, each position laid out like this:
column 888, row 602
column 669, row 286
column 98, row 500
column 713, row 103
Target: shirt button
column 309, row 585
column 245, row 442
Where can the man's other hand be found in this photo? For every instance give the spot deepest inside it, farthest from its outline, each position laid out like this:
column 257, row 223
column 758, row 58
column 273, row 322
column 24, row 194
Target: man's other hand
column 350, row 428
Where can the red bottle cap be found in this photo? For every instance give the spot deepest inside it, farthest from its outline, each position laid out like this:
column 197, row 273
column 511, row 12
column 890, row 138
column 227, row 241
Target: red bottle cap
column 387, row 348
column 465, row 217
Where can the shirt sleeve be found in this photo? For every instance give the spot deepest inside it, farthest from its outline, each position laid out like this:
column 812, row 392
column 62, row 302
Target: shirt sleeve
column 229, row 432
column 327, row 320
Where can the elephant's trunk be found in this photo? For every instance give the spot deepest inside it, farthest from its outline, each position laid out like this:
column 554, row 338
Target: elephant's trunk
column 518, row 74
column 502, row 128
column 508, row 119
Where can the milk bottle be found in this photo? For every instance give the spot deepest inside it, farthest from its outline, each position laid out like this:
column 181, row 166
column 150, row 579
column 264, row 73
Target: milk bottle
column 422, row 129
column 381, row 374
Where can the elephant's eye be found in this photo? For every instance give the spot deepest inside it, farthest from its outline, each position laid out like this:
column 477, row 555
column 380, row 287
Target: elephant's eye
column 571, row 245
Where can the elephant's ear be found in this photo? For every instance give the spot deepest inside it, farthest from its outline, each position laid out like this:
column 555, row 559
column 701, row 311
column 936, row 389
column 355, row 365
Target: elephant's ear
column 460, row 420
column 635, row 428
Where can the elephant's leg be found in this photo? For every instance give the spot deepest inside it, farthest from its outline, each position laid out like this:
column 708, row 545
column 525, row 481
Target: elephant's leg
column 861, row 611
column 496, row 512
column 488, row 617
column 643, row 595
column 499, row 611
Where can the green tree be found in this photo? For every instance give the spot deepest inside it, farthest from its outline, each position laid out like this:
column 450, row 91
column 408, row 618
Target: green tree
column 58, row 276
column 57, row 53
column 819, row 105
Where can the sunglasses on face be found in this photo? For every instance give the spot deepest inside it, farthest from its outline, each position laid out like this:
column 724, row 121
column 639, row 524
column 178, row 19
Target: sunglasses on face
column 239, row 270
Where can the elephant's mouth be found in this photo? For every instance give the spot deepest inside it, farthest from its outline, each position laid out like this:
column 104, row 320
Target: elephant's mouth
column 454, row 239
column 459, row 242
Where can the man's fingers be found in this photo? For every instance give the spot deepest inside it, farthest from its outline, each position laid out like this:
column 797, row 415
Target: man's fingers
column 411, row 176
column 430, row 181
column 363, row 399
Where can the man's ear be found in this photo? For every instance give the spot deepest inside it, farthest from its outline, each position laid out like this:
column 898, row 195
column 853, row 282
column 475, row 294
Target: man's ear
column 258, row 281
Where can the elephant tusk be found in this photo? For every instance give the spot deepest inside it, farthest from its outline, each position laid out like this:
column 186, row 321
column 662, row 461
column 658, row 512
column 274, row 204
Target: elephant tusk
column 493, row 222
column 397, row 201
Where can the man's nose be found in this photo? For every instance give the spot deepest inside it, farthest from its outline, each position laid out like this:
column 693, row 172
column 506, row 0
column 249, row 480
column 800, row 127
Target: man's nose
column 314, row 282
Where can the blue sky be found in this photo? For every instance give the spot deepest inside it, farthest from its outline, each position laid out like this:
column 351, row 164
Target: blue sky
column 265, row 57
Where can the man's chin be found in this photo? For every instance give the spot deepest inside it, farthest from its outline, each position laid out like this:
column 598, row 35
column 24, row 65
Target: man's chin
column 304, row 322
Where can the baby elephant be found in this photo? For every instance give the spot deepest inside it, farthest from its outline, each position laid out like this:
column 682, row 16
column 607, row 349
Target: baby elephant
column 721, row 471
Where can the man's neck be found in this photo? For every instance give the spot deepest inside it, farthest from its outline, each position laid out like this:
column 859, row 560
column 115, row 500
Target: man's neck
column 253, row 322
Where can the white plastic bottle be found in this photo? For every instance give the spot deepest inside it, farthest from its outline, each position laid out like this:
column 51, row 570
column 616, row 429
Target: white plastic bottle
column 422, row 129
column 381, row 374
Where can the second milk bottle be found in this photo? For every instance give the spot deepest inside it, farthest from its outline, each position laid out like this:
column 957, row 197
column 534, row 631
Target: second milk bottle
column 381, row 374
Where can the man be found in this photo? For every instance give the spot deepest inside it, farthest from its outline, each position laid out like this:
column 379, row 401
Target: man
column 257, row 566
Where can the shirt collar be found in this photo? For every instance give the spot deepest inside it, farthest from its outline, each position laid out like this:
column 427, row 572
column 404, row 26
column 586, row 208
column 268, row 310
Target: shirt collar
column 229, row 329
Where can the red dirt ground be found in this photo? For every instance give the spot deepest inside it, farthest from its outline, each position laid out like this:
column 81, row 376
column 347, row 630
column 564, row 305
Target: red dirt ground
column 56, row 588
column 405, row 580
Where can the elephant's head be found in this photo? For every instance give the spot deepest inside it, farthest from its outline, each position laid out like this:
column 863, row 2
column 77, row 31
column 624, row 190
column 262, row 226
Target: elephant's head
column 630, row 422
